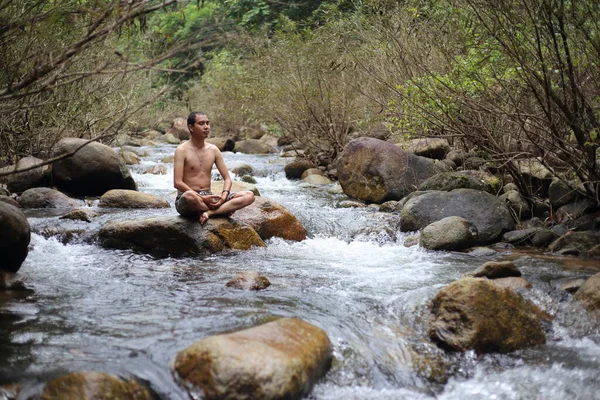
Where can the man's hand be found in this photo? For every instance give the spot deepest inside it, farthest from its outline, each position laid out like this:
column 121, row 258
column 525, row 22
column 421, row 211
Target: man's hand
column 212, row 201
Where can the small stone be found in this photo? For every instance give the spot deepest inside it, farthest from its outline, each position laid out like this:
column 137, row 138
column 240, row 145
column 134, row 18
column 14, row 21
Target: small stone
column 249, row 280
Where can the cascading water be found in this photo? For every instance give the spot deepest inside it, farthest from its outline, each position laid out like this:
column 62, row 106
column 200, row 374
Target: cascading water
column 129, row 313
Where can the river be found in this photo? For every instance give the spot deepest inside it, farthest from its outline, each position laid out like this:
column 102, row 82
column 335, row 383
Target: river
column 130, row 313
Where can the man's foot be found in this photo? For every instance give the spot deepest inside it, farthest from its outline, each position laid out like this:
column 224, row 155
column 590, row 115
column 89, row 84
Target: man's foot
column 204, row 217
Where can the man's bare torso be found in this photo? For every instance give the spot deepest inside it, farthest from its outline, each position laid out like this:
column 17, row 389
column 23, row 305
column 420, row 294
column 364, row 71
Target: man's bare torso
column 198, row 165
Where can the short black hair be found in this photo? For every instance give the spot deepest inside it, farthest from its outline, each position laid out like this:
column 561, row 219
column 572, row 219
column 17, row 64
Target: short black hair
column 192, row 117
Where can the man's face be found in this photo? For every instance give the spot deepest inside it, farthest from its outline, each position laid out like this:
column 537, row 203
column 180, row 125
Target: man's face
column 201, row 126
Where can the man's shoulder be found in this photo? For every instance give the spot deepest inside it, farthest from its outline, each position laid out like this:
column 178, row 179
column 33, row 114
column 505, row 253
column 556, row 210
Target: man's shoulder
column 182, row 146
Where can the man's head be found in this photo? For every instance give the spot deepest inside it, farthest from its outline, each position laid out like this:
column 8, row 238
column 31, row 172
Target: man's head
column 198, row 123
column 191, row 119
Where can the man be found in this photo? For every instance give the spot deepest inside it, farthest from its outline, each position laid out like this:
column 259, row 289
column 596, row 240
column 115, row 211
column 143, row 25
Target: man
column 193, row 163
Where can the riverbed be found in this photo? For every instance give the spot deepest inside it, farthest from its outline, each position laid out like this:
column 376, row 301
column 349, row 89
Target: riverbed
column 130, row 313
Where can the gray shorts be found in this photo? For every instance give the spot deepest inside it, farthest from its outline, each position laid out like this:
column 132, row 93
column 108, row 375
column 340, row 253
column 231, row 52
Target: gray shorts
column 182, row 206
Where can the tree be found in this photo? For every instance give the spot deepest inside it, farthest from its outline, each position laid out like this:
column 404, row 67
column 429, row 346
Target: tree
column 71, row 68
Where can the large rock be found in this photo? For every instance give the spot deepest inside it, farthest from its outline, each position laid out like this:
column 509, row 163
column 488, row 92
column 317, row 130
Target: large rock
column 20, row 182
column 91, row 171
column 253, row 146
column 269, row 218
column 447, row 181
column 473, row 313
column 575, row 243
column 177, row 235
column 450, row 233
column 490, row 215
column 93, row 386
column 536, row 176
column 278, row 360
column 589, row 293
column 559, row 193
column 436, row 148
column 222, row 143
column 295, row 169
column 45, row 198
column 376, row 171
column 119, row 198
column 179, row 129
column 15, row 234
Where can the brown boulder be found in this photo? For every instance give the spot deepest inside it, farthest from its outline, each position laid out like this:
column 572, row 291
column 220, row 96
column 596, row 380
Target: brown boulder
column 93, row 386
column 43, row 197
column 177, row 235
column 269, row 219
column 589, row 293
column 376, row 171
column 278, row 360
column 295, row 169
column 179, row 129
column 91, row 171
column 119, row 198
column 495, row 270
column 473, row 313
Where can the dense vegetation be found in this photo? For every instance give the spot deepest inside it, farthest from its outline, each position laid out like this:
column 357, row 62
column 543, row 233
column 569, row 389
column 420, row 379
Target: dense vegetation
column 508, row 79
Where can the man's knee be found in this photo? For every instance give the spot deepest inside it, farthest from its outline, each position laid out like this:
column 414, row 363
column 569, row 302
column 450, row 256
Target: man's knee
column 249, row 197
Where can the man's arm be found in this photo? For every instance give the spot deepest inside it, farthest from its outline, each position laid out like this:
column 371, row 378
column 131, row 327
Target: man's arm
column 227, row 183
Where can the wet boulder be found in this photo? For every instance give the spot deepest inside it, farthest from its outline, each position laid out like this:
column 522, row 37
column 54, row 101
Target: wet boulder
column 475, row 314
column 91, row 171
column 15, row 234
column 295, row 169
column 177, row 235
column 589, row 293
column 241, row 169
column 377, row 171
column 93, row 386
column 270, row 219
column 575, row 243
column 447, row 181
column 249, row 280
column 120, row 198
column 20, row 182
column 253, row 146
column 496, row 270
column 450, row 233
column 46, row 198
column 85, row 215
column 278, row 360
column 490, row 215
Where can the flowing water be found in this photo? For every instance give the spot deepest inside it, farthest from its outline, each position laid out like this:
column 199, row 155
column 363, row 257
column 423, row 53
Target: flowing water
column 130, row 313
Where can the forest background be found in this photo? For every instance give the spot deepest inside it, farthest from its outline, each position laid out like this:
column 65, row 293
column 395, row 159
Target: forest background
column 507, row 79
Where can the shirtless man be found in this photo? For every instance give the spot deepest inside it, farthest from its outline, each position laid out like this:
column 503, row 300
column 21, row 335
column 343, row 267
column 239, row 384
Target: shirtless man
column 193, row 163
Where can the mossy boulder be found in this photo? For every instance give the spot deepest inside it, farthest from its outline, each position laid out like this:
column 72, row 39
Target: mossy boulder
column 177, row 235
